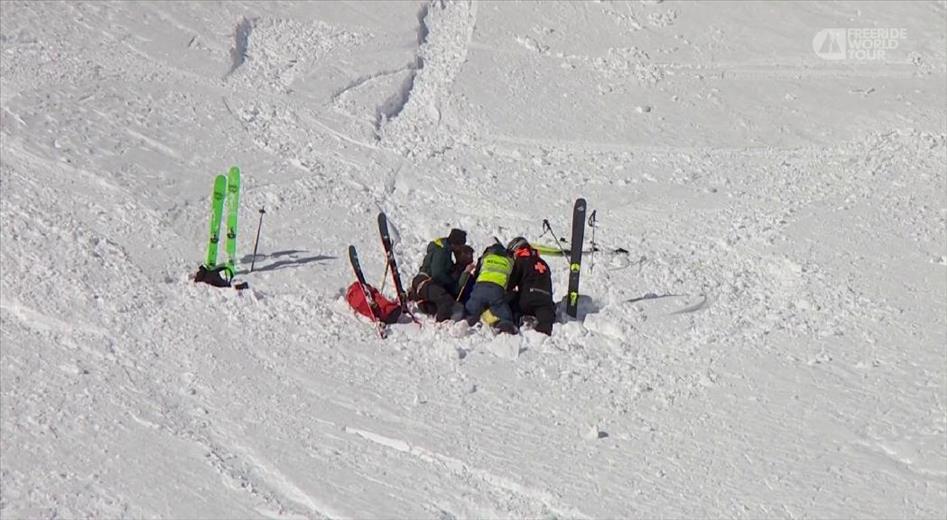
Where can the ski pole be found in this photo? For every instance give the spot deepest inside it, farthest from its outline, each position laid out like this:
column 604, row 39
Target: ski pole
column 548, row 229
column 462, row 284
column 592, row 222
column 256, row 241
column 384, row 278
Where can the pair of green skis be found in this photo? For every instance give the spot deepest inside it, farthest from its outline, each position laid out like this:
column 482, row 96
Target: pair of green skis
column 226, row 190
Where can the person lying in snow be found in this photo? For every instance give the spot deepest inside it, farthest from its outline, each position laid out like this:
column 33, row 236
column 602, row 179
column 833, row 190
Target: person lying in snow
column 463, row 271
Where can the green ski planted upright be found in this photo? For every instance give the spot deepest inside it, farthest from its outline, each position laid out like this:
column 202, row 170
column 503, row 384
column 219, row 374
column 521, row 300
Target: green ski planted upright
column 216, row 212
column 233, row 207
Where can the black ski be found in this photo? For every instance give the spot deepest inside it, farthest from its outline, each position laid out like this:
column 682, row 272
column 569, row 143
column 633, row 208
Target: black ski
column 392, row 264
column 376, row 312
column 575, row 264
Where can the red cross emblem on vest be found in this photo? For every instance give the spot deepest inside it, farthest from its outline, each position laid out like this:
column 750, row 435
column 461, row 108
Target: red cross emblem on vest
column 540, row 267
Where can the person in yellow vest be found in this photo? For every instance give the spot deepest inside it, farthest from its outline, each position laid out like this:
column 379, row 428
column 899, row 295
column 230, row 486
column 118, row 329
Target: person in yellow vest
column 488, row 299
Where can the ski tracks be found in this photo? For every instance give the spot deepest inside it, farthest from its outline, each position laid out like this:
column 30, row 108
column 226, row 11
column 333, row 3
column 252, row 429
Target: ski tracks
column 201, row 397
column 412, row 124
column 533, row 501
column 271, row 493
column 241, row 36
column 284, row 51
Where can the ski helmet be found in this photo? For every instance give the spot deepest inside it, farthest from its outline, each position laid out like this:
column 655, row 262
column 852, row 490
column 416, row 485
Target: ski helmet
column 517, row 243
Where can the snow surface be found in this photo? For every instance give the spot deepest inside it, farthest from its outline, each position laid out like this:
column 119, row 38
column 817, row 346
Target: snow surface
column 785, row 215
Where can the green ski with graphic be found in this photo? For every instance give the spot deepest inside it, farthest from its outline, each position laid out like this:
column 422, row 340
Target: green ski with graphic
column 216, row 213
column 233, row 207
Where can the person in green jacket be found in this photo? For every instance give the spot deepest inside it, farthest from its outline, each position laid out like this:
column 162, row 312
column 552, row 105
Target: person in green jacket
column 435, row 286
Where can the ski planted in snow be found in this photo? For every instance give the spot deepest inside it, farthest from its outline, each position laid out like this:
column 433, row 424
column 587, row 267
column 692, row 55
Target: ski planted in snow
column 392, row 264
column 216, row 213
column 575, row 263
column 390, row 258
column 233, row 208
column 376, row 312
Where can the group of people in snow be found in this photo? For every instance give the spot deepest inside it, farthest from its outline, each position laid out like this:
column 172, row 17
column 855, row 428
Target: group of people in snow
column 512, row 285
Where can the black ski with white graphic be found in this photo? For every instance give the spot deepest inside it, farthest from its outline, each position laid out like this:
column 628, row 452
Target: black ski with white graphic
column 393, row 264
column 575, row 263
column 376, row 312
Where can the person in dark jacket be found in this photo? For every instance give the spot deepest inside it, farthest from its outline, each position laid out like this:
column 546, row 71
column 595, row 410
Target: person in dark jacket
column 531, row 285
column 463, row 270
column 434, row 287
column 487, row 300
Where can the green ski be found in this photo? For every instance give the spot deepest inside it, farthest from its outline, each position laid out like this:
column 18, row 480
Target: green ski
column 216, row 212
column 233, row 207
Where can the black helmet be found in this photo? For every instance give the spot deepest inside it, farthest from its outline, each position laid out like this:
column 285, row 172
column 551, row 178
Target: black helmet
column 496, row 249
column 457, row 237
column 517, row 243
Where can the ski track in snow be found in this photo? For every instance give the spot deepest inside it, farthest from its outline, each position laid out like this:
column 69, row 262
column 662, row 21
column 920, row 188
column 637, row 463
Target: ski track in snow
column 462, row 470
column 241, row 37
column 395, row 104
column 800, row 373
column 416, row 115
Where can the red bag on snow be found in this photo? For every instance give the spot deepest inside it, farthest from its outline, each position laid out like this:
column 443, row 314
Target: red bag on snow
column 389, row 311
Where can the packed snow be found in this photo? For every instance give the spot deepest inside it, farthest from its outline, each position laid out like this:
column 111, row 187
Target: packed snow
column 772, row 344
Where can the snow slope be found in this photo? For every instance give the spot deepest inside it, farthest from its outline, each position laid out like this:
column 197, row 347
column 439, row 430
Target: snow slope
column 772, row 346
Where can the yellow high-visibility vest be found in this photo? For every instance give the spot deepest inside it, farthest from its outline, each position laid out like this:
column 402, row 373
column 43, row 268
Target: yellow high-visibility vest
column 495, row 269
